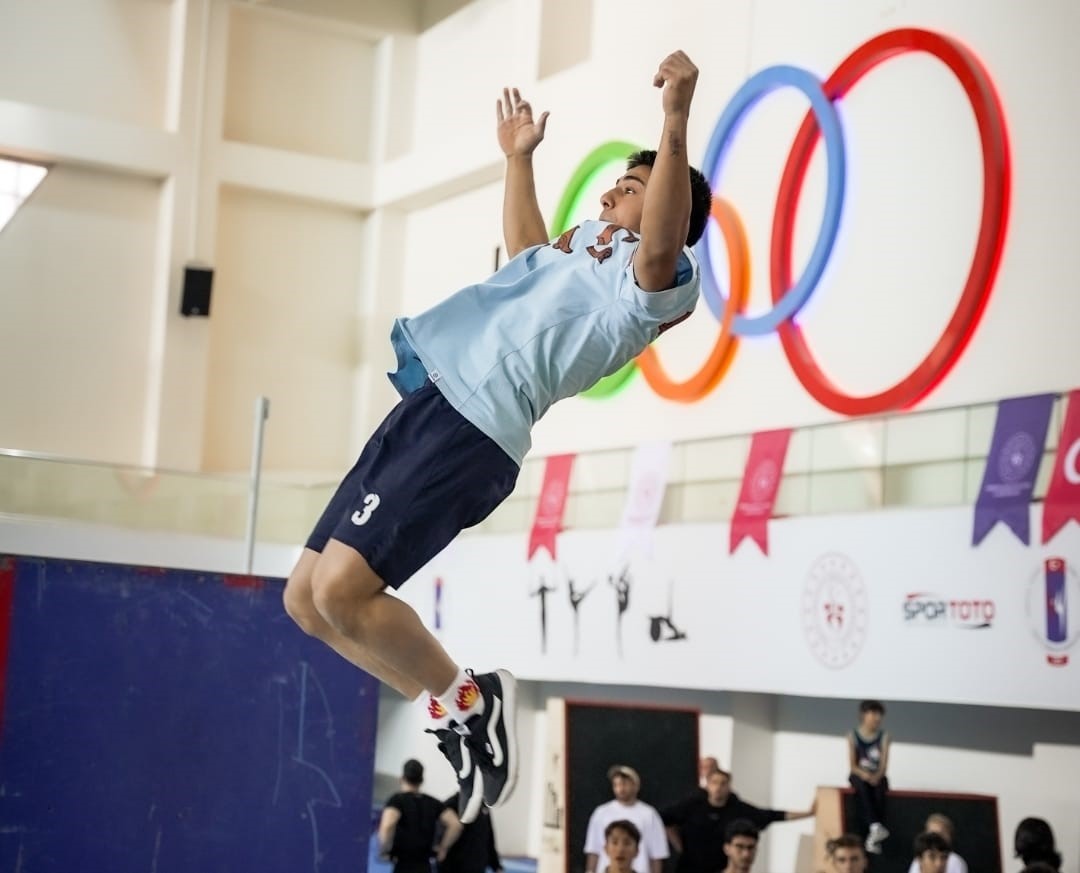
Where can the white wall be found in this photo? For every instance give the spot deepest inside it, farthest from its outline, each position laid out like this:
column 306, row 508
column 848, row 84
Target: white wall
column 283, row 324
column 912, row 204
column 96, row 57
column 372, row 118
column 318, row 103
column 76, row 269
column 185, row 98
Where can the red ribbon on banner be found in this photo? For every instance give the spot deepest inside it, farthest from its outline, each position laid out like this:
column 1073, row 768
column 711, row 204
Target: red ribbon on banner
column 761, row 481
column 1062, row 501
column 549, row 508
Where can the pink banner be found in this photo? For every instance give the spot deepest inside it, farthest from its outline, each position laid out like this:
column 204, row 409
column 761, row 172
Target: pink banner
column 549, row 508
column 1062, row 502
column 644, row 497
column 761, row 480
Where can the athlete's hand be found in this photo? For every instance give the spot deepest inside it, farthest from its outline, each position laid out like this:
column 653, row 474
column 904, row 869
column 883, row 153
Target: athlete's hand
column 518, row 134
column 677, row 75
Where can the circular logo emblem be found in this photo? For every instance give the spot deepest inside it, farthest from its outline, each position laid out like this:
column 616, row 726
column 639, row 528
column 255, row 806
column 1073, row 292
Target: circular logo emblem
column 764, row 479
column 834, row 610
column 1053, row 593
column 1017, row 457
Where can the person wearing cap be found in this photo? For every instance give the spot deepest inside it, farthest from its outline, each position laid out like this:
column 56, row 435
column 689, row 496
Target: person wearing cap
column 653, row 847
column 696, row 826
column 408, row 822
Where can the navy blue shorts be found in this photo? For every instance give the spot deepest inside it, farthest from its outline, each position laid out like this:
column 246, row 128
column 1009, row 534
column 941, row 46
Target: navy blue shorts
column 424, row 476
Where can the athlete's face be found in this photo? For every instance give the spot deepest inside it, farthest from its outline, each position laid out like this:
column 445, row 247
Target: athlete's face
column 623, row 204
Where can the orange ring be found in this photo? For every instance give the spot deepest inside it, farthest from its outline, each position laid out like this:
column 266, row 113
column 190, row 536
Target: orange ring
column 723, row 351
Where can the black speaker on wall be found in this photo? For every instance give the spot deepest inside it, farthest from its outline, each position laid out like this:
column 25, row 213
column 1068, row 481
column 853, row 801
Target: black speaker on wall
column 195, row 297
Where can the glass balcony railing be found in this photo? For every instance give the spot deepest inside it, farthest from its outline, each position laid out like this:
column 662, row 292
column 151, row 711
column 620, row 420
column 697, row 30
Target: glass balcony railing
column 923, row 458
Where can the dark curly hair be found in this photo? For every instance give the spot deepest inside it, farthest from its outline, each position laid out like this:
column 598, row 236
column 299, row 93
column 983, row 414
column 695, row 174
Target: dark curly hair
column 1034, row 841
column 700, row 193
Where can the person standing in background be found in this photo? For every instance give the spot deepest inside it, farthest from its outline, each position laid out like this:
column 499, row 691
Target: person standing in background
column 653, row 848
column 868, row 758
column 474, row 851
column 696, row 827
column 408, row 822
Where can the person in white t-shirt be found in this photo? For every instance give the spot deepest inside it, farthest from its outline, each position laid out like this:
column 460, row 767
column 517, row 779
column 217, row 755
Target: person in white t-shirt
column 937, row 823
column 653, row 849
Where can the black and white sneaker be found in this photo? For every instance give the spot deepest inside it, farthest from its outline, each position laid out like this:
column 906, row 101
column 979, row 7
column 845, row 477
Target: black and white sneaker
column 469, row 779
column 492, row 735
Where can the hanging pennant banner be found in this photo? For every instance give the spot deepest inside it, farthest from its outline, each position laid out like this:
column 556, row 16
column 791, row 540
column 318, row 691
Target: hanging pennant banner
column 1062, row 502
column 645, row 494
column 551, row 505
column 761, row 481
column 1012, row 465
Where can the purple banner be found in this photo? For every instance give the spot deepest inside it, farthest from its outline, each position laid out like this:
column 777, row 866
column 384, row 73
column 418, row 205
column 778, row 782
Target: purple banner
column 1012, row 465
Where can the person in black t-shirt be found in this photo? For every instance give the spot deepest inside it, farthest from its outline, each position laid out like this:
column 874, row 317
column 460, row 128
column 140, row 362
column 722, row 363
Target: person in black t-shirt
column 474, row 851
column 409, row 819
column 696, row 826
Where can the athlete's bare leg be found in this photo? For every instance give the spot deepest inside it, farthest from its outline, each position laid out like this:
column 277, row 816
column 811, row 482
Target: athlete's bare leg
column 369, row 627
column 300, row 605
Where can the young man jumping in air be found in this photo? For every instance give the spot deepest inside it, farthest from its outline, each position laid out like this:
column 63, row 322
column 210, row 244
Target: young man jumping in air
column 475, row 373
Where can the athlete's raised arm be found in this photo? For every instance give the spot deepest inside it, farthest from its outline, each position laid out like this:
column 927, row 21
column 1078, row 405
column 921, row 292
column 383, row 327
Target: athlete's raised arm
column 665, row 217
column 519, row 135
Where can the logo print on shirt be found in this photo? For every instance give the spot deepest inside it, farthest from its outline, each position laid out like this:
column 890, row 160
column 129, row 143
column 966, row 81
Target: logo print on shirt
column 371, row 503
column 563, row 242
column 605, row 238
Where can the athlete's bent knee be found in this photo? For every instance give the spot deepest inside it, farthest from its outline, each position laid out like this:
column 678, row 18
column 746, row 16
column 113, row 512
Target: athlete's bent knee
column 339, row 598
column 300, row 607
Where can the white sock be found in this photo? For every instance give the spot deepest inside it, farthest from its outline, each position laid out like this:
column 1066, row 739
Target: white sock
column 462, row 699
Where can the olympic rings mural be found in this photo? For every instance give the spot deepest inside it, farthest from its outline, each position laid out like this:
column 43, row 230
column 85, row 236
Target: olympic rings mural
column 790, row 294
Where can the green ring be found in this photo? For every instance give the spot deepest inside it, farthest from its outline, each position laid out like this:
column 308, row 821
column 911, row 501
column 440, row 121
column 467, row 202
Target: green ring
column 586, row 171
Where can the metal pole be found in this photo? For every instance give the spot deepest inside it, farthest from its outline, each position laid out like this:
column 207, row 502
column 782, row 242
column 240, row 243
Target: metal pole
column 262, row 412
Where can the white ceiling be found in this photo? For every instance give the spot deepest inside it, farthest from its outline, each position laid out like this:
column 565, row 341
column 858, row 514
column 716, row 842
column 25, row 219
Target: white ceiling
column 380, row 17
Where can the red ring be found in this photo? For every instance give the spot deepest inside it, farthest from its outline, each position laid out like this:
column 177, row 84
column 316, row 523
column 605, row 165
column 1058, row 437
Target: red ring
column 996, row 186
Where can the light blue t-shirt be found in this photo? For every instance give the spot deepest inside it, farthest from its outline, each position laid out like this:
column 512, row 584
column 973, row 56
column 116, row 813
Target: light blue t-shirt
column 547, row 325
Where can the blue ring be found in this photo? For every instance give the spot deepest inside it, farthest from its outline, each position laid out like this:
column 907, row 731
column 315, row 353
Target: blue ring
column 756, row 87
